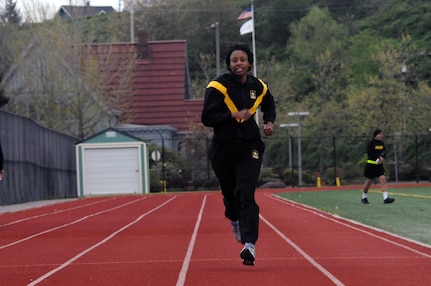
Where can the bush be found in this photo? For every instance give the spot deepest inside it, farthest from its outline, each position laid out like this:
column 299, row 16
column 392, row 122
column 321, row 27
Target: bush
column 155, row 183
column 267, row 175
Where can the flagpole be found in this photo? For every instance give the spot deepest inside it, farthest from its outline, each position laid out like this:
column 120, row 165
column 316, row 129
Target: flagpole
column 256, row 116
column 253, row 41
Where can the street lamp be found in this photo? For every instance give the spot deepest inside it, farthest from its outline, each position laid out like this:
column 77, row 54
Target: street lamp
column 216, row 27
column 299, row 115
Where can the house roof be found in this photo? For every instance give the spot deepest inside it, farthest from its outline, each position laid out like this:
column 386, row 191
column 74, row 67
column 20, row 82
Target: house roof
column 159, row 88
column 73, row 12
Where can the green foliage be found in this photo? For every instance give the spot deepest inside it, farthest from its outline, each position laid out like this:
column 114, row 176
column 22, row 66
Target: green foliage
column 267, row 175
column 290, row 177
column 272, row 23
column 318, row 45
column 363, row 46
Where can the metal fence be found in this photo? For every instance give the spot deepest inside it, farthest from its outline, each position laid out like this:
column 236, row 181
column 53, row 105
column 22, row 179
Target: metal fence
column 39, row 163
column 330, row 158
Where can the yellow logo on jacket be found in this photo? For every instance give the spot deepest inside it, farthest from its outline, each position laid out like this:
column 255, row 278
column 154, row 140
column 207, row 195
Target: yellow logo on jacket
column 255, row 154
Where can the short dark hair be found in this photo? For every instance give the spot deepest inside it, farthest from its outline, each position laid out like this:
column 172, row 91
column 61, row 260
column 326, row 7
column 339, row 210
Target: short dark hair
column 238, row 47
column 376, row 132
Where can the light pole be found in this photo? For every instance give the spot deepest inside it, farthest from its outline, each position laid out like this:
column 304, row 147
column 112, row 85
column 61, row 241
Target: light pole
column 217, row 32
column 299, row 115
column 163, row 161
column 288, row 125
column 404, row 72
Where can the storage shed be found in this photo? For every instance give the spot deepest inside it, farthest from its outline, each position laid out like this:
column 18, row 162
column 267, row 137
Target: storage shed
column 112, row 162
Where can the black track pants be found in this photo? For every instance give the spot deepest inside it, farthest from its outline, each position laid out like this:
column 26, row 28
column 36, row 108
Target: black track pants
column 237, row 167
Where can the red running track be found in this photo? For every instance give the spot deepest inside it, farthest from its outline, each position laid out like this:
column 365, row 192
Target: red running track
column 184, row 239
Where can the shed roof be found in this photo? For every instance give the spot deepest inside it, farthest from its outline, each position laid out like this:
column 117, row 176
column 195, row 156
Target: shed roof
column 110, row 135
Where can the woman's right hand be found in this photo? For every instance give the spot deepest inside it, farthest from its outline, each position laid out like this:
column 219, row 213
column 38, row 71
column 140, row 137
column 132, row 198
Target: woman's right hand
column 242, row 114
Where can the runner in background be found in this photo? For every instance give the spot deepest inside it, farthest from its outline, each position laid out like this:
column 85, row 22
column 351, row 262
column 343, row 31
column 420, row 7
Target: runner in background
column 374, row 168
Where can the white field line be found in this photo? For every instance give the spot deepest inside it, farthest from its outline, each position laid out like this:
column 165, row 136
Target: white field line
column 183, row 273
column 68, row 224
column 70, row 261
column 342, row 221
column 55, row 212
column 304, row 254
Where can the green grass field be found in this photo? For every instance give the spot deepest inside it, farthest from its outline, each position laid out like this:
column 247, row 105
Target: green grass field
column 409, row 216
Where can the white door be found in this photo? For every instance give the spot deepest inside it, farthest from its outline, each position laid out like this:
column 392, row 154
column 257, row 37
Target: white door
column 111, row 171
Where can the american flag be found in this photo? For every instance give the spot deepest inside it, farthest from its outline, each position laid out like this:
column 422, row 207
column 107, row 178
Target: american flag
column 246, row 14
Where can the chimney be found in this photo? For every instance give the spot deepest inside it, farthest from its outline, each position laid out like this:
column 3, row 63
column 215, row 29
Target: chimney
column 143, row 49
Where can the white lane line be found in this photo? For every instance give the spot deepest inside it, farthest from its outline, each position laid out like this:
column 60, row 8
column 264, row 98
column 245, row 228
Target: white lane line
column 304, row 254
column 55, row 212
column 70, row 261
column 339, row 220
column 183, row 273
column 68, row 224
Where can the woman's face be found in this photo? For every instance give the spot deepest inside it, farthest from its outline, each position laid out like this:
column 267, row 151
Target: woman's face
column 239, row 63
column 379, row 136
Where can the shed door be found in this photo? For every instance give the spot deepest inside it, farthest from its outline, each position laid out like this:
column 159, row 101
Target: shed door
column 111, row 171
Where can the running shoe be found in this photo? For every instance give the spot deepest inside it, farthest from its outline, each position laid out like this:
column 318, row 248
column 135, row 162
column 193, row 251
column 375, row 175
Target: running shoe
column 248, row 254
column 388, row 200
column 235, row 230
column 365, row 201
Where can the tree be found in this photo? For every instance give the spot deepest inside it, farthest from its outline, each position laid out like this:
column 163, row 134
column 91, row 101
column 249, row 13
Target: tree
column 9, row 18
column 313, row 36
column 273, row 20
column 393, row 99
column 318, row 50
column 11, row 15
column 68, row 85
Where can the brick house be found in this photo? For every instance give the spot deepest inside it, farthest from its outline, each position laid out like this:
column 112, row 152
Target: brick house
column 159, row 103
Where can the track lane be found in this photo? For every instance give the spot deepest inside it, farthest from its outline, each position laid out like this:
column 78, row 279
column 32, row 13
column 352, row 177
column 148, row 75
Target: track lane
column 216, row 258
column 149, row 252
column 28, row 260
column 11, row 218
column 353, row 253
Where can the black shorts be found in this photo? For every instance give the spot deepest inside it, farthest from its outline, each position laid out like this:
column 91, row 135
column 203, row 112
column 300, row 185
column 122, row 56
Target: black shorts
column 374, row 171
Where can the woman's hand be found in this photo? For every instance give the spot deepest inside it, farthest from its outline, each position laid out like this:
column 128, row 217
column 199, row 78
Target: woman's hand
column 268, row 128
column 242, row 114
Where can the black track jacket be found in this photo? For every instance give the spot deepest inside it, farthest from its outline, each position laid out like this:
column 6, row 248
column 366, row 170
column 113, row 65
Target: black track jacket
column 224, row 95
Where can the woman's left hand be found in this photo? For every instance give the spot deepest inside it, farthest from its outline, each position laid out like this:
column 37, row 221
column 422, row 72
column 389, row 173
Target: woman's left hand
column 267, row 128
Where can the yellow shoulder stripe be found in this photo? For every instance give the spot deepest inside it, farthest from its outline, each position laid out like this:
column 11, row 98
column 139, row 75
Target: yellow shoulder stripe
column 228, row 101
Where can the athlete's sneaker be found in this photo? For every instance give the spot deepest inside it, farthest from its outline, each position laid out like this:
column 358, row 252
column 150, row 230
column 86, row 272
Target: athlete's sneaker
column 248, row 254
column 235, row 230
column 365, row 201
column 388, row 200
